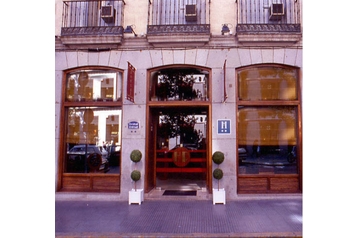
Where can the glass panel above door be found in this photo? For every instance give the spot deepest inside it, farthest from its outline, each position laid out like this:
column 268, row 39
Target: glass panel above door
column 179, row 84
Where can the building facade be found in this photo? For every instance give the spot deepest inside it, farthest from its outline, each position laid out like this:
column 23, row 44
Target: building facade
column 178, row 81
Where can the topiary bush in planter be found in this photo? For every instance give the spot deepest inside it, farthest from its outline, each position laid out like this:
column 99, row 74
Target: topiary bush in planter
column 219, row 194
column 135, row 195
column 218, row 157
column 135, row 156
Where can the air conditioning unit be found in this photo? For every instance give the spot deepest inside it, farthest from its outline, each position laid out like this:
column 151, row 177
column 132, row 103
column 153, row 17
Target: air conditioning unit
column 277, row 11
column 107, row 14
column 190, row 13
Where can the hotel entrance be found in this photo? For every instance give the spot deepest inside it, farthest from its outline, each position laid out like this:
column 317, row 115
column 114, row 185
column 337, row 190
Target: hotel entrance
column 178, row 149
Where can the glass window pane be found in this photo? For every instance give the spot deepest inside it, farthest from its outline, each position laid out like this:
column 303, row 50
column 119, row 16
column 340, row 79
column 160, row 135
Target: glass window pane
column 267, row 140
column 179, row 85
column 93, row 139
column 182, row 129
column 94, row 85
column 268, row 83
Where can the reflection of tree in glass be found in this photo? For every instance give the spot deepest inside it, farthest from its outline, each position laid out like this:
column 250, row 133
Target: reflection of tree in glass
column 177, row 84
column 179, row 124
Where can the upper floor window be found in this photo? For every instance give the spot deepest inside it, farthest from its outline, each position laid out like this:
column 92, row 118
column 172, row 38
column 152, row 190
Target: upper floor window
column 173, row 12
column 85, row 13
column 268, row 12
column 94, row 85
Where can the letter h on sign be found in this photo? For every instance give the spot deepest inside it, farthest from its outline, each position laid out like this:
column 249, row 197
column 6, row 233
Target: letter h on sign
column 224, row 126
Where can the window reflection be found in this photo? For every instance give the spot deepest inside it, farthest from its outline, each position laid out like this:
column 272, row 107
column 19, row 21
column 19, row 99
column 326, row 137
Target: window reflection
column 268, row 83
column 182, row 129
column 94, row 85
column 267, row 140
column 179, row 84
column 93, row 140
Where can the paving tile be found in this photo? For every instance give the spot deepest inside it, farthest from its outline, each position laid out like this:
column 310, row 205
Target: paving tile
column 156, row 218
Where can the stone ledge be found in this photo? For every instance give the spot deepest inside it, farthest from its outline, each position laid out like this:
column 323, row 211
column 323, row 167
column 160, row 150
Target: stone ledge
column 178, row 40
column 79, row 42
column 262, row 39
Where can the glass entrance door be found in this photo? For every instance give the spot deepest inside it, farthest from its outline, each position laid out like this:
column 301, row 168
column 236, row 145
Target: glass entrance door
column 180, row 156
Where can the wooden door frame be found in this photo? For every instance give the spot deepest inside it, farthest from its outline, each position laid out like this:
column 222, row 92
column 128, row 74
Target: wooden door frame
column 148, row 164
column 151, row 104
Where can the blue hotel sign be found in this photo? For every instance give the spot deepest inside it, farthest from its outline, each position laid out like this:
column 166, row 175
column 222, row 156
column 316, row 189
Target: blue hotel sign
column 224, row 126
column 133, row 125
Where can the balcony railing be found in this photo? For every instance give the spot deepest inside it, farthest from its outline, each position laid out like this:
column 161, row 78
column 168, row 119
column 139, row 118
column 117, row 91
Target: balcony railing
column 173, row 17
column 269, row 16
column 169, row 20
column 92, row 17
column 268, row 22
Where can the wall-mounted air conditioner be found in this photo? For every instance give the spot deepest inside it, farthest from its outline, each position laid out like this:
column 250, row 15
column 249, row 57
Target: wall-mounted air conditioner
column 190, row 13
column 107, row 14
column 277, row 11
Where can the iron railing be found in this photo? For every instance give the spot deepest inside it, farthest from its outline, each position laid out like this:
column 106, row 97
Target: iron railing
column 92, row 17
column 268, row 16
column 172, row 16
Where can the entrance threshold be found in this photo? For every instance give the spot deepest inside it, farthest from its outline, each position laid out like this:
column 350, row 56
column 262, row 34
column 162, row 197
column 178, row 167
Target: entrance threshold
column 180, row 185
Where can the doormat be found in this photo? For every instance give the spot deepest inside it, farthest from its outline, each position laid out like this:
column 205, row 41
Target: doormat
column 179, row 193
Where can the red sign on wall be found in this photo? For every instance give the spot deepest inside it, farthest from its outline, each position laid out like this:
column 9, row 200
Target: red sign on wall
column 225, row 94
column 130, row 82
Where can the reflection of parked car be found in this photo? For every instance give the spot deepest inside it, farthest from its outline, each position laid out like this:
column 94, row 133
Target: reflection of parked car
column 85, row 158
column 104, row 152
column 242, row 154
column 114, row 155
column 292, row 156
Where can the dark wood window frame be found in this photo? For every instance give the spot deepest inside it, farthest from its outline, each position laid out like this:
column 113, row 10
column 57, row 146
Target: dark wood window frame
column 272, row 183
column 89, row 182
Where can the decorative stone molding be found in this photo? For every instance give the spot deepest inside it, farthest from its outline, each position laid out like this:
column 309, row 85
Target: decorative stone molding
column 267, row 28
column 94, row 30
column 177, row 35
column 180, row 28
column 95, row 37
column 268, row 34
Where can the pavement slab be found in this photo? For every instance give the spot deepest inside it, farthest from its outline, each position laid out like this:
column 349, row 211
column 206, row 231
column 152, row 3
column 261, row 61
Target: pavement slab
column 274, row 217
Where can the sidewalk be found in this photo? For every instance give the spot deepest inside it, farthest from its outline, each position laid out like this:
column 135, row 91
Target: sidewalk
column 248, row 216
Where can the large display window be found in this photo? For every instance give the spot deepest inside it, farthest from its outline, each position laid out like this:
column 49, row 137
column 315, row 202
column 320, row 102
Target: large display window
column 92, row 140
column 268, row 129
column 91, row 131
column 267, row 140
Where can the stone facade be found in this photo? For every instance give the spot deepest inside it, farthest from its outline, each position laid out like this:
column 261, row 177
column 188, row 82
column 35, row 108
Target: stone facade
column 144, row 56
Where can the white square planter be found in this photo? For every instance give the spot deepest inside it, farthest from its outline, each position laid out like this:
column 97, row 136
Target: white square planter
column 219, row 196
column 136, row 196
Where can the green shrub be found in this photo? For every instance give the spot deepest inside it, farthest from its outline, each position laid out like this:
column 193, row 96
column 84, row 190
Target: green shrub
column 218, row 174
column 135, row 175
column 218, row 157
column 136, row 156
